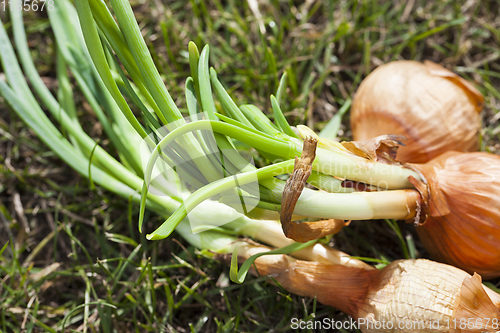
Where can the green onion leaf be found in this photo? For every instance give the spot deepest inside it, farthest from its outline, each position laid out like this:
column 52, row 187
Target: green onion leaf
column 280, row 119
column 238, row 276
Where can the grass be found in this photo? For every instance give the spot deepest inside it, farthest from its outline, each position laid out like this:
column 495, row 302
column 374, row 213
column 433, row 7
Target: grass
column 73, row 255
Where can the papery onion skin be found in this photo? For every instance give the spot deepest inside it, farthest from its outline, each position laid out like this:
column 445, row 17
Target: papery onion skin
column 462, row 226
column 428, row 294
column 435, row 109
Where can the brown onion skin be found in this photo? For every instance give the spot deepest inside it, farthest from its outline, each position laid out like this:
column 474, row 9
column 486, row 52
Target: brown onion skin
column 435, row 109
column 462, row 227
column 403, row 292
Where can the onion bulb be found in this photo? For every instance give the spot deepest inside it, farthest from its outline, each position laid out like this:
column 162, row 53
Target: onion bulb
column 406, row 296
column 435, row 109
column 460, row 222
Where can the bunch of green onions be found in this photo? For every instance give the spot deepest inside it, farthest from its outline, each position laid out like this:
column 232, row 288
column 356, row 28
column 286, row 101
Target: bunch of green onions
column 110, row 61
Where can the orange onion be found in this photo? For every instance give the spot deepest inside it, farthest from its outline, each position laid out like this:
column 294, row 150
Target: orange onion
column 460, row 222
column 406, row 296
column 435, row 109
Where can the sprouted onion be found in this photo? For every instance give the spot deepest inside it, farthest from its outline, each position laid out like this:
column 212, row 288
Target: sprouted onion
column 392, row 193
column 460, row 221
column 405, row 296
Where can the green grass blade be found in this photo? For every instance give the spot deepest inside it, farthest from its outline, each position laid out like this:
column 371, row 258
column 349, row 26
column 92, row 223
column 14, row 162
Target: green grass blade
column 437, row 29
column 331, row 129
column 281, row 87
column 4, row 248
column 100, row 303
column 394, row 226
